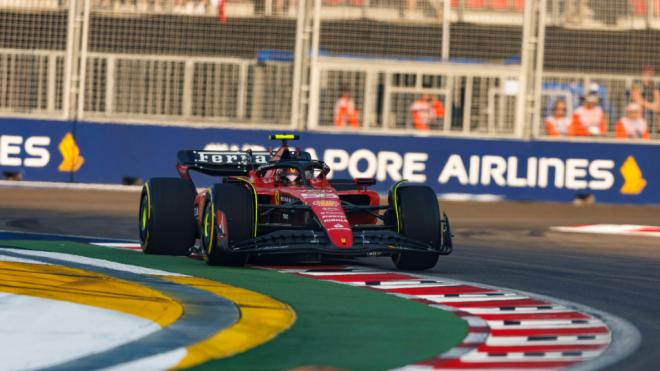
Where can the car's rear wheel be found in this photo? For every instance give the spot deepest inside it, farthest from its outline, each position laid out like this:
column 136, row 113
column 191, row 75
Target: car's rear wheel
column 418, row 219
column 228, row 218
column 166, row 220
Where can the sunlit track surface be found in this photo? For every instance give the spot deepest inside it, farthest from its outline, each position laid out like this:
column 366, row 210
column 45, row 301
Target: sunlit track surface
column 507, row 329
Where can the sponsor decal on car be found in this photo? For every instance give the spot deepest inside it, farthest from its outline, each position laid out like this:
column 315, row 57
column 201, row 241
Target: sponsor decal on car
column 325, row 203
column 333, row 220
column 283, row 199
column 231, row 158
column 318, row 195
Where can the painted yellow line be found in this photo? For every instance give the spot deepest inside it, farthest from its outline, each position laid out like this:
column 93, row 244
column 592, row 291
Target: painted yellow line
column 262, row 318
column 88, row 288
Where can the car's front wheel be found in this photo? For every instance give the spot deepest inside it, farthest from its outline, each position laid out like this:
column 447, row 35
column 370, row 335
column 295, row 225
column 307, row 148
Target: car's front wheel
column 228, row 218
column 417, row 214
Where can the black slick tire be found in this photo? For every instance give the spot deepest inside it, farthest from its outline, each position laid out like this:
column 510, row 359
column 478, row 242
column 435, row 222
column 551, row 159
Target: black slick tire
column 236, row 202
column 419, row 218
column 166, row 221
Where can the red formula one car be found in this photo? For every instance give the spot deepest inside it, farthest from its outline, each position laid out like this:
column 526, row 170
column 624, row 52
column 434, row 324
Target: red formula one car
column 281, row 202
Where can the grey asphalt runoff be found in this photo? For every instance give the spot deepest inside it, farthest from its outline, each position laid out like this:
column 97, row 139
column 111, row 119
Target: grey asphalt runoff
column 507, row 244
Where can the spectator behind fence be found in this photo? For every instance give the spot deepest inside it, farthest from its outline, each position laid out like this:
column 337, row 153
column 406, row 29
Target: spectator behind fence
column 345, row 111
column 647, row 95
column 588, row 119
column 425, row 110
column 558, row 122
column 633, row 124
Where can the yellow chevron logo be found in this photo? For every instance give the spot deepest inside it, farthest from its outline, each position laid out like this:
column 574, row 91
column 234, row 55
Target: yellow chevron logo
column 634, row 182
column 71, row 158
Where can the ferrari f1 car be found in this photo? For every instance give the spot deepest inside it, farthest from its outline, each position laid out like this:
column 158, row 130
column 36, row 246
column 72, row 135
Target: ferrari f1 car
column 282, row 202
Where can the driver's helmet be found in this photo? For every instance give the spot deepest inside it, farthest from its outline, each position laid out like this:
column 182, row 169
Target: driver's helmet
column 290, row 175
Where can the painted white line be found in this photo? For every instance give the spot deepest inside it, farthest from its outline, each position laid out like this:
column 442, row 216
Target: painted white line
column 620, row 229
column 558, row 340
column 79, row 186
column 470, row 197
column 475, row 338
column 466, row 368
column 545, row 324
column 352, row 273
column 90, row 261
column 506, row 369
column 471, row 298
column 397, row 284
column 118, row 245
column 457, row 352
column 163, row 361
column 517, row 310
column 37, row 332
column 519, row 356
column 14, row 259
column 473, row 321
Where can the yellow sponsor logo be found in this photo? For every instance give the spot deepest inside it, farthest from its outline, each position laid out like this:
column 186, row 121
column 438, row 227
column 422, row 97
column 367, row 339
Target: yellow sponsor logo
column 71, row 158
column 634, row 182
column 325, row 203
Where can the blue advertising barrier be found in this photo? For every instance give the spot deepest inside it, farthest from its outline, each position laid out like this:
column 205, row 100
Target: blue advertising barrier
column 613, row 172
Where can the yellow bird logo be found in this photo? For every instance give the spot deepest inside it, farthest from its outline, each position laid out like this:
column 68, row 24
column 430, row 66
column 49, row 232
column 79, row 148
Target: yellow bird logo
column 71, row 158
column 634, row 182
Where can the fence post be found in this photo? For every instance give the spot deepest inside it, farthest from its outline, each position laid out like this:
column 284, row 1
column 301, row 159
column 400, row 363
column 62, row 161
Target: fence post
column 110, row 85
column 70, row 59
column 531, row 65
column 83, row 60
column 52, row 81
column 188, row 74
column 538, row 70
column 446, row 23
column 525, row 56
column 314, row 85
column 298, row 64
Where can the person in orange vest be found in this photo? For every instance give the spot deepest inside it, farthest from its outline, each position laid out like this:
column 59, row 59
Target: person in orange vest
column 632, row 125
column 345, row 112
column 557, row 124
column 424, row 110
column 588, row 119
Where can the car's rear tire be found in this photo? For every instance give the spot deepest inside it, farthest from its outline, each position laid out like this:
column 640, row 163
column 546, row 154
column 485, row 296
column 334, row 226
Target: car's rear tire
column 166, row 221
column 419, row 219
column 235, row 201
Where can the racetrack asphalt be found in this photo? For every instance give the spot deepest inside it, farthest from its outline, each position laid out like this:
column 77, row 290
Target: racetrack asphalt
column 505, row 244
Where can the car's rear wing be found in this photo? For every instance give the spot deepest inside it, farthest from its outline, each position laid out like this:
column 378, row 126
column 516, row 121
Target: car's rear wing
column 220, row 163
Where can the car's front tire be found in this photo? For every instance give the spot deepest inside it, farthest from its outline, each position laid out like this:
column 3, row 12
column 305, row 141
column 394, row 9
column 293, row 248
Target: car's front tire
column 418, row 219
column 166, row 221
column 233, row 203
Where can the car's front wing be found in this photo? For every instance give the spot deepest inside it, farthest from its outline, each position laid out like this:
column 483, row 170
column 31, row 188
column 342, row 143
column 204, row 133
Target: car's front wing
column 367, row 242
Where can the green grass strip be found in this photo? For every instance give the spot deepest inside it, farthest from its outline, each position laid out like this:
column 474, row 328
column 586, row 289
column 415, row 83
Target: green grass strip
column 337, row 325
